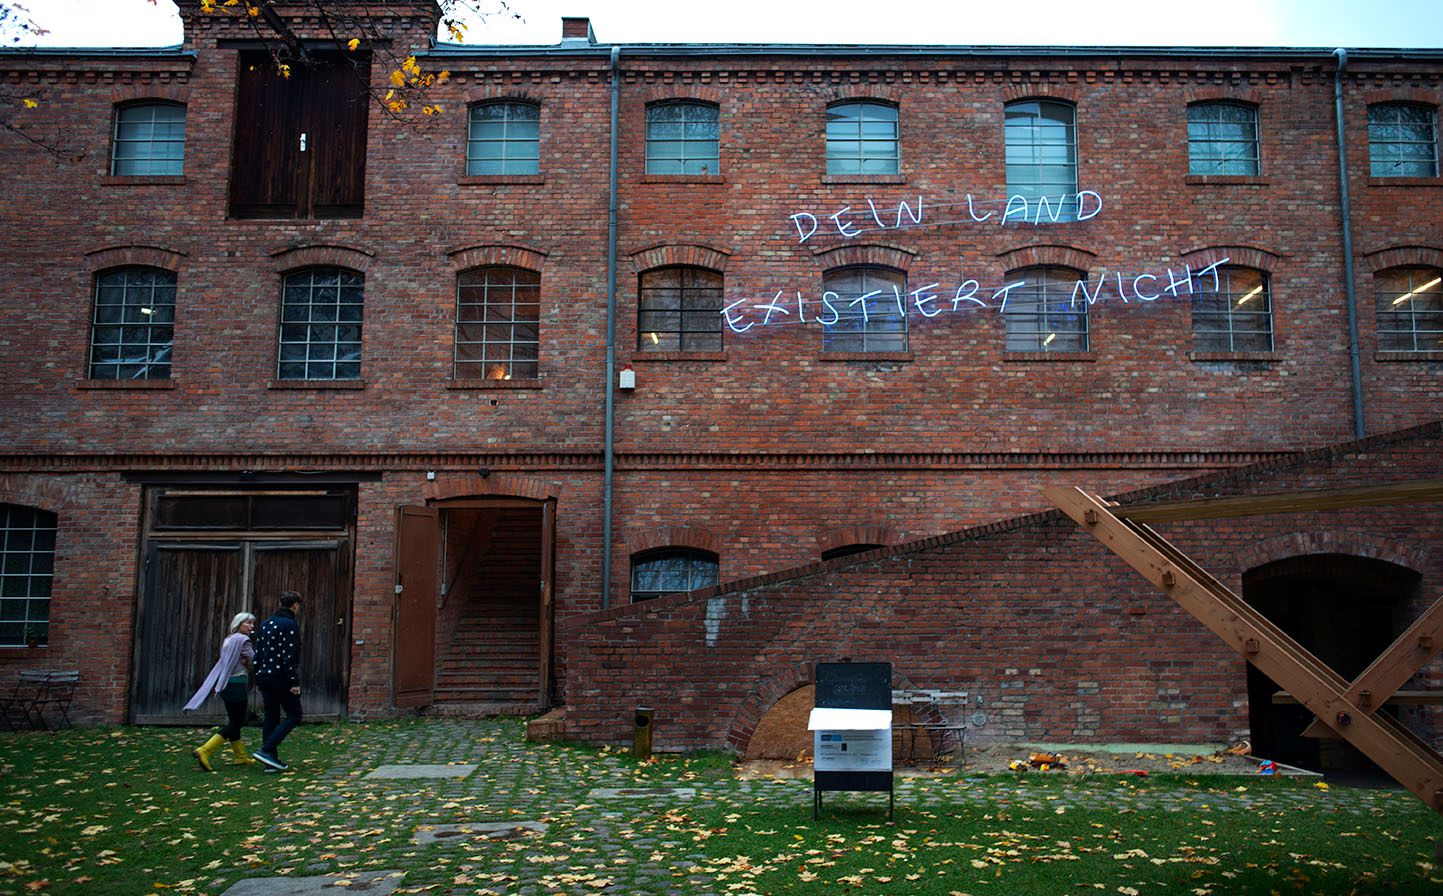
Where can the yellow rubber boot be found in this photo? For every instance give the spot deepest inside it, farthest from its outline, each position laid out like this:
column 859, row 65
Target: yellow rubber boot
column 203, row 752
column 240, row 757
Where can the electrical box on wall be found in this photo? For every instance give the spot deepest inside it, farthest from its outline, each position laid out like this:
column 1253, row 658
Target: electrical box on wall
column 626, row 379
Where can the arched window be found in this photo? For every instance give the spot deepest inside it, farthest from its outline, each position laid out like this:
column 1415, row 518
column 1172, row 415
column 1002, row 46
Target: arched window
column 1041, row 316
column 498, row 320
column 1041, row 148
column 1409, row 303
column 1222, row 138
column 1232, row 313
column 680, row 310
column 320, row 333
column 149, row 140
column 683, row 138
column 669, row 570
column 132, row 327
column 862, row 139
column 27, row 566
column 1402, row 140
column 504, row 138
column 862, row 313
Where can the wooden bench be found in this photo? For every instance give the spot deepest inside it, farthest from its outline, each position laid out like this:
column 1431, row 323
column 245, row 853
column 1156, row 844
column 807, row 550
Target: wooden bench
column 939, row 715
column 37, row 690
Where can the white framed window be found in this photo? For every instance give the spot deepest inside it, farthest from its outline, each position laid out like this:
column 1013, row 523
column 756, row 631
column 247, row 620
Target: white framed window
column 862, row 139
column 1402, row 140
column 503, row 138
column 149, row 140
column 683, row 138
column 1041, row 151
column 1222, row 138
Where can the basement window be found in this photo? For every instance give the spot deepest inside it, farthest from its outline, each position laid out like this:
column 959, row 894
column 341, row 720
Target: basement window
column 671, row 570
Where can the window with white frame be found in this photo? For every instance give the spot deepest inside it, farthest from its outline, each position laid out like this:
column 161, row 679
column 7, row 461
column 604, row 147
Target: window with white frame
column 320, row 333
column 862, row 139
column 1041, row 314
column 864, row 310
column 1222, row 138
column 1402, row 140
column 1409, row 303
column 27, row 566
column 498, row 319
column 1041, row 152
column 132, row 325
column 149, row 140
column 671, row 570
column 1232, row 312
column 504, row 138
column 683, row 138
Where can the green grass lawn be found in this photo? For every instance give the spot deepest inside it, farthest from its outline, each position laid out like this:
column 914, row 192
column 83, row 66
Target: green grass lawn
column 125, row 811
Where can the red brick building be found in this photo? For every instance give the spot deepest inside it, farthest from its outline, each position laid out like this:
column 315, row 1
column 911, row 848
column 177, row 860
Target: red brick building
column 261, row 334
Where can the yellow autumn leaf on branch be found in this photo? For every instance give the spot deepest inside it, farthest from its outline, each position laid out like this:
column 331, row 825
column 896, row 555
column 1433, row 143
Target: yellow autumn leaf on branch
column 398, row 79
column 30, row 104
column 353, row 43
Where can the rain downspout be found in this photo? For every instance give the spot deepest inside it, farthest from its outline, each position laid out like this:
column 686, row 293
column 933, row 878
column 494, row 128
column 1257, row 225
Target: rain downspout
column 607, row 449
column 1347, row 222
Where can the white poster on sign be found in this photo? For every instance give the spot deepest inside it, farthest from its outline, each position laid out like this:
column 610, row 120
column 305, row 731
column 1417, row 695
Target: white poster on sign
column 853, row 751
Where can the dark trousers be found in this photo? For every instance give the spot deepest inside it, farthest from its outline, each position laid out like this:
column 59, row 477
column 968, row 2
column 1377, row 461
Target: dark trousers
column 278, row 697
column 235, row 711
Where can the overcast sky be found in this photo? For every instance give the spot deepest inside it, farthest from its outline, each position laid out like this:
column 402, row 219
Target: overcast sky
column 1288, row 23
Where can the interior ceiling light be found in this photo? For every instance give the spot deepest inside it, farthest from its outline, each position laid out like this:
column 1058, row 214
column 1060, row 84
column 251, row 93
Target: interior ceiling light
column 1252, row 292
column 1412, row 292
column 1050, row 337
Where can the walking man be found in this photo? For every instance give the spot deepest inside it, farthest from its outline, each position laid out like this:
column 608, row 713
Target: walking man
column 278, row 658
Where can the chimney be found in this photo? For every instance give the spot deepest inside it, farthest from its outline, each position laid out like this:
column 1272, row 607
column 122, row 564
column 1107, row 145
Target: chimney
column 576, row 29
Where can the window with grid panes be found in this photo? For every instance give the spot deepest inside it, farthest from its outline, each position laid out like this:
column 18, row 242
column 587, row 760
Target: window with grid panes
column 1233, row 313
column 680, row 310
column 1402, row 140
column 683, row 138
column 27, row 564
column 1409, row 302
column 1041, row 152
column 149, row 140
column 670, row 570
column 320, row 336
column 864, row 301
column 504, row 138
column 862, row 139
column 132, row 325
column 1040, row 315
column 1222, row 138
column 498, row 317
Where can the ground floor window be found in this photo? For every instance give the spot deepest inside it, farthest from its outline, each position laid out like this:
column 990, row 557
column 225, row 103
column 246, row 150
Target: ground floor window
column 27, row 564
column 669, row 570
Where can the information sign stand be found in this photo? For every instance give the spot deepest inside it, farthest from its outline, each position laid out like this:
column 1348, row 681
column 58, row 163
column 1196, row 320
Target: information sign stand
column 852, row 730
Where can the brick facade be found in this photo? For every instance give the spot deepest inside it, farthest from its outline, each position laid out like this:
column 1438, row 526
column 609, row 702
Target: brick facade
column 767, row 452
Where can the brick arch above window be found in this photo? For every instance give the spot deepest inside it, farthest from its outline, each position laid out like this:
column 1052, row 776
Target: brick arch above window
column 1049, row 255
column 291, row 259
column 680, row 255
column 497, row 254
column 683, row 93
column 37, row 495
column 1053, row 93
column 496, row 94
column 1415, row 556
column 885, row 94
column 840, row 537
column 1222, row 93
column 878, row 254
column 135, row 256
column 150, row 93
column 1415, row 95
column 1403, row 256
column 694, row 537
column 494, row 485
column 1242, row 256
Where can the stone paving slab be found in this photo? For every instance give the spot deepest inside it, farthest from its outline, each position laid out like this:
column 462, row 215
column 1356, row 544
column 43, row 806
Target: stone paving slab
column 659, row 793
column 371, row 883
column 484, row 830
column 402, row 772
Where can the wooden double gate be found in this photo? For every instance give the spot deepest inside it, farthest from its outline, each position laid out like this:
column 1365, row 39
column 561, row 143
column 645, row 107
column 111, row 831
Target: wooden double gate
column 230, row 552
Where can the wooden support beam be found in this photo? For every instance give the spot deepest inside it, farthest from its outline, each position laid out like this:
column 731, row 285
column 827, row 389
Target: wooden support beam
column 1411, row 762
column 1418, row 491
column 1400, row 698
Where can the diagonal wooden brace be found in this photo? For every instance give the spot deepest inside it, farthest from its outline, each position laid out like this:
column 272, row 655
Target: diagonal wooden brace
column 1411, row 762
column 1392, row 669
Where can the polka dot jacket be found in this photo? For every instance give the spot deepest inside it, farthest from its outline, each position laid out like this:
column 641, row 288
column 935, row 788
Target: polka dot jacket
column 278, row 650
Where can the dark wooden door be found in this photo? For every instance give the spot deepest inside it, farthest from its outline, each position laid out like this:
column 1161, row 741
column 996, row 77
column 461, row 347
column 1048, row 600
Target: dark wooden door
column 192, row 592
column 418, row 532
column 266, row 174
column 548, row 591
column 316, row 570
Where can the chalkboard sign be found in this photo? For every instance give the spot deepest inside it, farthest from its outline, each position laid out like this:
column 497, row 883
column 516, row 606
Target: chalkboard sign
column 854, row 685
column 852, row 730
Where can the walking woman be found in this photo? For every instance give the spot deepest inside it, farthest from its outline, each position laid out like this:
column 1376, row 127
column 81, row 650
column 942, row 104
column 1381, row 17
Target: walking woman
column 228, row 678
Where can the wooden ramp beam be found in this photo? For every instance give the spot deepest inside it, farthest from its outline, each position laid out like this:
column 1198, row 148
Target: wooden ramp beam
column 1336, row 703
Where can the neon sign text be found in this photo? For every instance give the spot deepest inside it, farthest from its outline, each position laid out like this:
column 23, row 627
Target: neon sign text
column 849, row 222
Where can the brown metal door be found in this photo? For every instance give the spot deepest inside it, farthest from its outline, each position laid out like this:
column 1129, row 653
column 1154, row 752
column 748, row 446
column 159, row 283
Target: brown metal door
column 548, row 591
column 317, row 570
column 418, row 533
column 191, row 592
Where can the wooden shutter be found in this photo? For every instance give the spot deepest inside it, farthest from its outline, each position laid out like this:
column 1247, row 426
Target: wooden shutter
column 336, row 145
column 266, row 170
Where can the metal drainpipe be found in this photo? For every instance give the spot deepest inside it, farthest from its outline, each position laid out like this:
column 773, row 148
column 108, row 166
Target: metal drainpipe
column 1347, row 222
column 610, row 341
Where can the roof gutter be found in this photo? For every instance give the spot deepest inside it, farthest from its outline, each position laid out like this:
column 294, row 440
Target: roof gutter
column 1346, row 211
